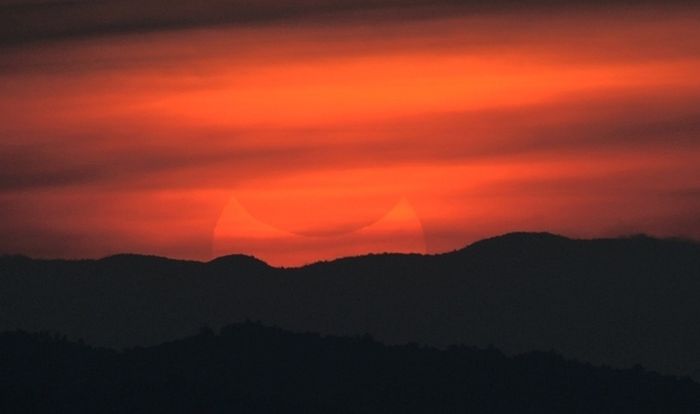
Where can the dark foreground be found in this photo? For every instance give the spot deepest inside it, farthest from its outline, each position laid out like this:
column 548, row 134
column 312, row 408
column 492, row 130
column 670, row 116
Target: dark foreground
column 618, row 302
column 250, row 368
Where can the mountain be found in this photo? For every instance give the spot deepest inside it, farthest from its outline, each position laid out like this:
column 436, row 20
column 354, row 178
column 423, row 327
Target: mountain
column 253, row 369
column 620, row 302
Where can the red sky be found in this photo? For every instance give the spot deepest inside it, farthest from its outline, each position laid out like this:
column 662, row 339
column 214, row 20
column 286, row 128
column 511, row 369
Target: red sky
column 297, row 139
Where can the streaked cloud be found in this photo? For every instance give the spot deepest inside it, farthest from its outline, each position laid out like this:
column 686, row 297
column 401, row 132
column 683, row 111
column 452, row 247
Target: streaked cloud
column 133, row 132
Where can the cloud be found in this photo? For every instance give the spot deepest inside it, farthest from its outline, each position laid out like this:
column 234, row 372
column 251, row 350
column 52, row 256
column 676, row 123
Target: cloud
column 485, row 122
column 590, row 125
column 32, row 21
column 143, row 166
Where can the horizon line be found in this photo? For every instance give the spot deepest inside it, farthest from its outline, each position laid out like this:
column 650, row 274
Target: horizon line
column 631, row 236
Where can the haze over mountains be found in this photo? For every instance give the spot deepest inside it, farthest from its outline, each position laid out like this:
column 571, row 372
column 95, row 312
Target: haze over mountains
column 619, row 301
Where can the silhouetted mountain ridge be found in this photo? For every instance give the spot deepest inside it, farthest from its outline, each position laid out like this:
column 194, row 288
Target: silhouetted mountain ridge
column 239, row 262
column 253, row 368
column 617, row 301
column 522, row 241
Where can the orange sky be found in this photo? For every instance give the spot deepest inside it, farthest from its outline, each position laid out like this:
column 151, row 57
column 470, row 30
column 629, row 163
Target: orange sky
column 304, row 141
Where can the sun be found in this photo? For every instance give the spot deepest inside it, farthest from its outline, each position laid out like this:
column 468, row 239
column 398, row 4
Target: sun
column 399, row 230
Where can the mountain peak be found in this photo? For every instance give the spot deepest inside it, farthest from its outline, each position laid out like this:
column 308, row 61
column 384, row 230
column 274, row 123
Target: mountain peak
column 238, row 261
column 519, row 239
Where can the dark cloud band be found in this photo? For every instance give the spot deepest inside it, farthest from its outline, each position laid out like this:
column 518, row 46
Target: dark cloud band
column 37, row 21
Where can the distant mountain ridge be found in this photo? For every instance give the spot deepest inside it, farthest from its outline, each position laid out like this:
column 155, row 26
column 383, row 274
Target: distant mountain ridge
column 513, row 239
column 617, row 301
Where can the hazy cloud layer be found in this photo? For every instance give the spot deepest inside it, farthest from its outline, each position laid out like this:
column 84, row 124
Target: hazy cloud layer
column 29, row 20
column 319, row 120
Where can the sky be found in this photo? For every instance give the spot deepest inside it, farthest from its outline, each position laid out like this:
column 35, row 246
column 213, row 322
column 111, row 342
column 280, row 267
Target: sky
column 299, row 131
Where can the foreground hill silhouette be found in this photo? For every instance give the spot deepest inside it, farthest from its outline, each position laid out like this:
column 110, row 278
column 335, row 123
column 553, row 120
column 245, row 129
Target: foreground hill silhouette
column 620, row 301
column 254, row 369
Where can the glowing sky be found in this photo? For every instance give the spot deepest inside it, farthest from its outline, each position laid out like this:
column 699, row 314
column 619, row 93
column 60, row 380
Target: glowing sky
column 298, row 131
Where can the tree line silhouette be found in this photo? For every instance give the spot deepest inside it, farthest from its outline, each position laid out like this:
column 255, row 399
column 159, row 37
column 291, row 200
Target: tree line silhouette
column 252, row 368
